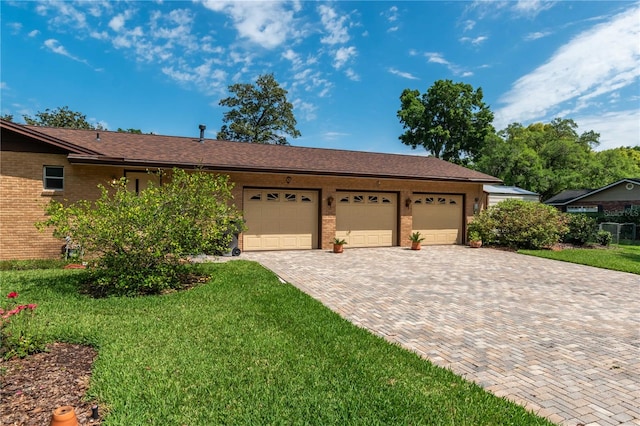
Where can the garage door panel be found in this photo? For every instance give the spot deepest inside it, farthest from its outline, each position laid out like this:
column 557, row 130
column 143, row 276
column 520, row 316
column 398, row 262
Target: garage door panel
column 367, row 219
column 280, row 219
column 438, row 217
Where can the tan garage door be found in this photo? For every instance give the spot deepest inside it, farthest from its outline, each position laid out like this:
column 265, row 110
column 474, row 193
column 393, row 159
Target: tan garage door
column 366, row 219
column 280, row 219
column 438, row 217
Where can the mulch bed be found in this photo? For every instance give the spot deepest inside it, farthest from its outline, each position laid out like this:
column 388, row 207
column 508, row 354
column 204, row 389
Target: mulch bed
column 34, row 386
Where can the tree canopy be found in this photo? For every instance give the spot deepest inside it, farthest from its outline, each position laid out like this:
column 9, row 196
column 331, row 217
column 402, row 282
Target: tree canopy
column 259, row 113
column 450, row 120
column 61, row 117
column 549, row 158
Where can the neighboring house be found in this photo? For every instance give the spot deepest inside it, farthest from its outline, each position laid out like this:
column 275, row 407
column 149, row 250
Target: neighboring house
column 611, row 200
column 497, row 193
column 291, row 197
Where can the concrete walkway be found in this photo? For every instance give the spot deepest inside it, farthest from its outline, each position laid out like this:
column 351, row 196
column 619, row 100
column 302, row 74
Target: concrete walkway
column 563, row 340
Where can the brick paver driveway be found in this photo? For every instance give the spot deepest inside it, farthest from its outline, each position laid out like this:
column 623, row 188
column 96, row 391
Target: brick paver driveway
column 561, row 339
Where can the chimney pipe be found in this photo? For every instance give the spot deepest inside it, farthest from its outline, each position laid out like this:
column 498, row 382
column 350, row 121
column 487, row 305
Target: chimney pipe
column 202, row 127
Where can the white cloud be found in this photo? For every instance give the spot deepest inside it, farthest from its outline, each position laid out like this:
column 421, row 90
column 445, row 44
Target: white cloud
column 393, row 29
column 3, row 86
column 403, row 74
column 335, row 25
column 351, row 74
column 117, row 22
column 213, row 81
column 65, row 14
column 334, row 135
column 304, row 109
column 16, row 27
column 438, row 58
column 343, row 55
column 532, row 7
column 474, row 41
column 55, row 46
column 598, row 61
column 34, row 33
column 392, row 14
column 519, row 8
column 536, row 35
column 468, row 25
column 616, row 128
column 267, row 24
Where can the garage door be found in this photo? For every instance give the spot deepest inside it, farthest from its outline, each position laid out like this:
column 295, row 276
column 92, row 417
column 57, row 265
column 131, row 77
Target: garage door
column 438, row 217
column 280, row 219
column 366, row 219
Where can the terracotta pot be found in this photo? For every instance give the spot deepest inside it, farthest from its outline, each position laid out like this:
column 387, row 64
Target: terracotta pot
column 415, row 245
column 475, row 244
column 338, row 248
column 64, row 416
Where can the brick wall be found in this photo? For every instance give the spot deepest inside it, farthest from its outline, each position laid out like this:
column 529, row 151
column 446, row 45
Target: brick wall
column 22, row 199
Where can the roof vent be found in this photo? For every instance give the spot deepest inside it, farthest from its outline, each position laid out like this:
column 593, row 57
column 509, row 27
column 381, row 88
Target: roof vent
column 98, row 137
column 202, row 127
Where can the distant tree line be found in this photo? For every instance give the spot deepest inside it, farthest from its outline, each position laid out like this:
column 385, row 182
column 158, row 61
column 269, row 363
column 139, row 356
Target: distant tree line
column 452, row 122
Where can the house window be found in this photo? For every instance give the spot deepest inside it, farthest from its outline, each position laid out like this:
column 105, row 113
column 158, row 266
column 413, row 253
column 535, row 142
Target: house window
column 53, row 177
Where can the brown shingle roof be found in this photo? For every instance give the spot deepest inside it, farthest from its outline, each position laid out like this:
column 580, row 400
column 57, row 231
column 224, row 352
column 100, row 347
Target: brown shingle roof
column 168, row 151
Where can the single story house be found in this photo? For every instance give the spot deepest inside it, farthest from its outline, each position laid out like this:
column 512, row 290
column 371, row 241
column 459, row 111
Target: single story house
column 611, row 200
column 497, row 193
column 291, row 197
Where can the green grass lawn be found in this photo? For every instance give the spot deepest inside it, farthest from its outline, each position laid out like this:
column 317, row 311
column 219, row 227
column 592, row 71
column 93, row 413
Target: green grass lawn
column 247, row 349
column 619, row 257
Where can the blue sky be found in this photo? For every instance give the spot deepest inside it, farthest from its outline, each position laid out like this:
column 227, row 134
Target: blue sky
column 162, row 66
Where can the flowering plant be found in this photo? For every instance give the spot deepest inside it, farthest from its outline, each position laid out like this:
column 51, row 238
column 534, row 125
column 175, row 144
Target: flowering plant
column 16, row 331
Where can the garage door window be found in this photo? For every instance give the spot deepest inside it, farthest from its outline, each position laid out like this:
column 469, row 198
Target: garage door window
column 290, row 197
column 273, row 196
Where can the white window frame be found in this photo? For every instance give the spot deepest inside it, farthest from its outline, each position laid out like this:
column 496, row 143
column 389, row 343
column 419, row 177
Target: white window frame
column 48, row 178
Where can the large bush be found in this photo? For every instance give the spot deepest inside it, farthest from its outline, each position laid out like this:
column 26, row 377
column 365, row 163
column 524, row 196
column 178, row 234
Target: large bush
column 520, row 224
column 139, row 241
column 582, row 229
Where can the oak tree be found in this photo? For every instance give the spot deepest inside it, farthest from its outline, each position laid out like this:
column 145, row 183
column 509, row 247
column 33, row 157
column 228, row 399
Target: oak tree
column 259, row 113
column 450, row 120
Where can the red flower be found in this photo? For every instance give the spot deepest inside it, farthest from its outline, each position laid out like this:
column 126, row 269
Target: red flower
column 31, row 306
column 12, row 295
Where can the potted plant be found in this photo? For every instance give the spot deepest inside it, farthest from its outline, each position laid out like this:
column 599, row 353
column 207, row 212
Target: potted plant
column 416, row 238
column 338, row 245
column 475, row 240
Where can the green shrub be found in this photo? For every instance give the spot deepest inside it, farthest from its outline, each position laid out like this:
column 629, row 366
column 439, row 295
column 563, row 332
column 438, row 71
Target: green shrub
column 604, row 238
column 139, row 241
column 582, row 229
column 520, row 224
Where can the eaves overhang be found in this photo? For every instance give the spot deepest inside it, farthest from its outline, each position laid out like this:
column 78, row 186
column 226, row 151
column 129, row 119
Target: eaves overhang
column 145, row 163
column 41, row 137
